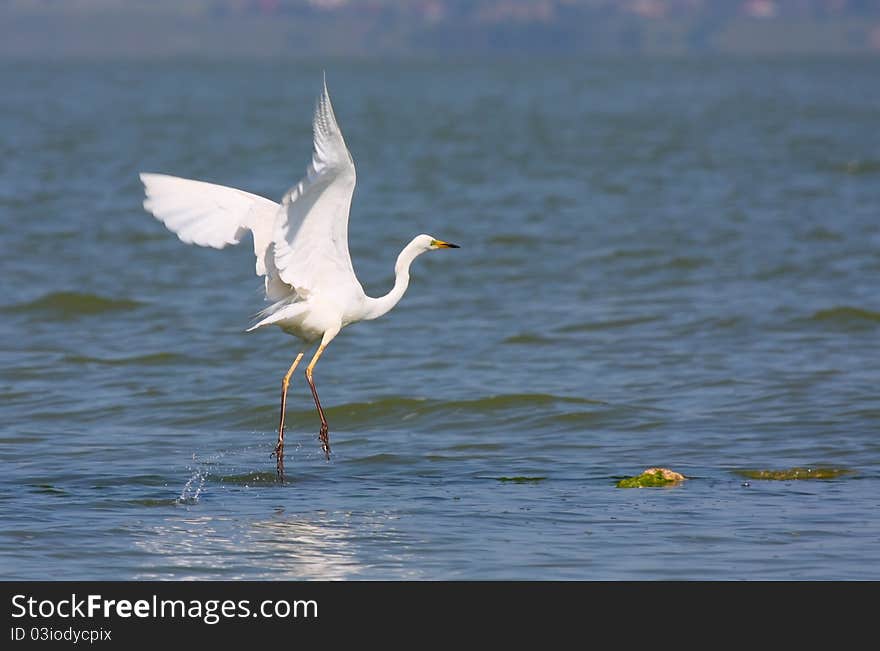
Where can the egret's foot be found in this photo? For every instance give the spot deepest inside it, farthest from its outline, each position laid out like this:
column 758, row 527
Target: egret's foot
column 279, row 467
column 278, row 453
column 325, row 441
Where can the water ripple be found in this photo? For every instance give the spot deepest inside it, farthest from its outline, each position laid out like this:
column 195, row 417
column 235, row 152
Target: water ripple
column 846, row 315
column 66, row 306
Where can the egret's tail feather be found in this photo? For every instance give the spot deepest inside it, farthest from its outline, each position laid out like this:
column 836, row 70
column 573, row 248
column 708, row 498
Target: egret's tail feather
column 280, row 311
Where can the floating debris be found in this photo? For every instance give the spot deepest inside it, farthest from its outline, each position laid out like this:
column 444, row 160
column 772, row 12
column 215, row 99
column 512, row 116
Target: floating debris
column 795, row 473
column 652, row 477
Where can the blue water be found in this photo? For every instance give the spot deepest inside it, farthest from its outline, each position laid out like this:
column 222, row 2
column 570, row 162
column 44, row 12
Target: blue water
column 666, row 263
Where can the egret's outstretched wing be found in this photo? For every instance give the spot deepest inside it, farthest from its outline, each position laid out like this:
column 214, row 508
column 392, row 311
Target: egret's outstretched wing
column 311, row 232
column 214, row 215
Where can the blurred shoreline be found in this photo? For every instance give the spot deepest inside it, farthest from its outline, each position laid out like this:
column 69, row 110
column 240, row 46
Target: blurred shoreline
column 431, row 29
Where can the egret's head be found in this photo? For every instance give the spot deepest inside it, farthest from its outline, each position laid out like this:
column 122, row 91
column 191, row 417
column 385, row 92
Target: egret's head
column 428, row 242
column 420, row 244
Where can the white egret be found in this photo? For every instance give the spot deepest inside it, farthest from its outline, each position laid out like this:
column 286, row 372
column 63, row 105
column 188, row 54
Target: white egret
column 301, row 247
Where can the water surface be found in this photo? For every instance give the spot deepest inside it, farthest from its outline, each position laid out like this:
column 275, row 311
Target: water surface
column 670, row 263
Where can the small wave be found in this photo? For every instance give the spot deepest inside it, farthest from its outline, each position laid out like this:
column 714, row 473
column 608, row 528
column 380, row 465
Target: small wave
column 527, row 338
column 250, row 479
column 49, row 489
column 154, row 501
column 128, row 480
column 715, row 323
column 687, row 262
column 616, row 254
column 607, row 325
column 856, row 167
column 789, row 474
column 478, row 447
column 583, row 418
column 154, row 359
column 520, row 480
column 778, row 271
column 70, row 305
column 680, row 263
column 511, row 239
column 508, row 400
column 846, row 315
column 822, row 234
column 384, row 459
column 397, row 408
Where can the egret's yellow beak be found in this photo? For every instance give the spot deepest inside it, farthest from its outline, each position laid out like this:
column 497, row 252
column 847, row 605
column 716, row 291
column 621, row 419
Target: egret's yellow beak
column 440, row 244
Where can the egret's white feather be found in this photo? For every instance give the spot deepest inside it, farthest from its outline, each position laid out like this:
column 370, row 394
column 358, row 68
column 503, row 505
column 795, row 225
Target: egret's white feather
column 311, row 232
column 302, row 245
column 214, row 215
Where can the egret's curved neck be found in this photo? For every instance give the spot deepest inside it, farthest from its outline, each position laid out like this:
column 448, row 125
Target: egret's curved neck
column 376, row 307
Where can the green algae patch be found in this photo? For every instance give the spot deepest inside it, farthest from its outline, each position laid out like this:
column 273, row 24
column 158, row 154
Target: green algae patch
column 651, row 478
column 795, row 473
column 521, row 480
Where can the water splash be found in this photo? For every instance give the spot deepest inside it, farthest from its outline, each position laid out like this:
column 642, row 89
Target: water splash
column 193, row 487
column 203, row 467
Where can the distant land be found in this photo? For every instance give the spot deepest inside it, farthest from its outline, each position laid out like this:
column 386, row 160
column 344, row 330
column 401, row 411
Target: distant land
column 52, row 29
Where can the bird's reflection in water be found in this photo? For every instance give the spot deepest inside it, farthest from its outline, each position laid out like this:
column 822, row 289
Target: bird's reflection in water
column 300, row 546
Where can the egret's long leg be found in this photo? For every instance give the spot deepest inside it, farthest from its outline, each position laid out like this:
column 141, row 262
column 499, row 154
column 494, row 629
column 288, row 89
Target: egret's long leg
column 323, row 434
column 279, row 447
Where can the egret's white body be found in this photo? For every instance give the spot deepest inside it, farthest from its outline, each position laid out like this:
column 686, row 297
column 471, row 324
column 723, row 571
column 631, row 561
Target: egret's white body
column 301, row 245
